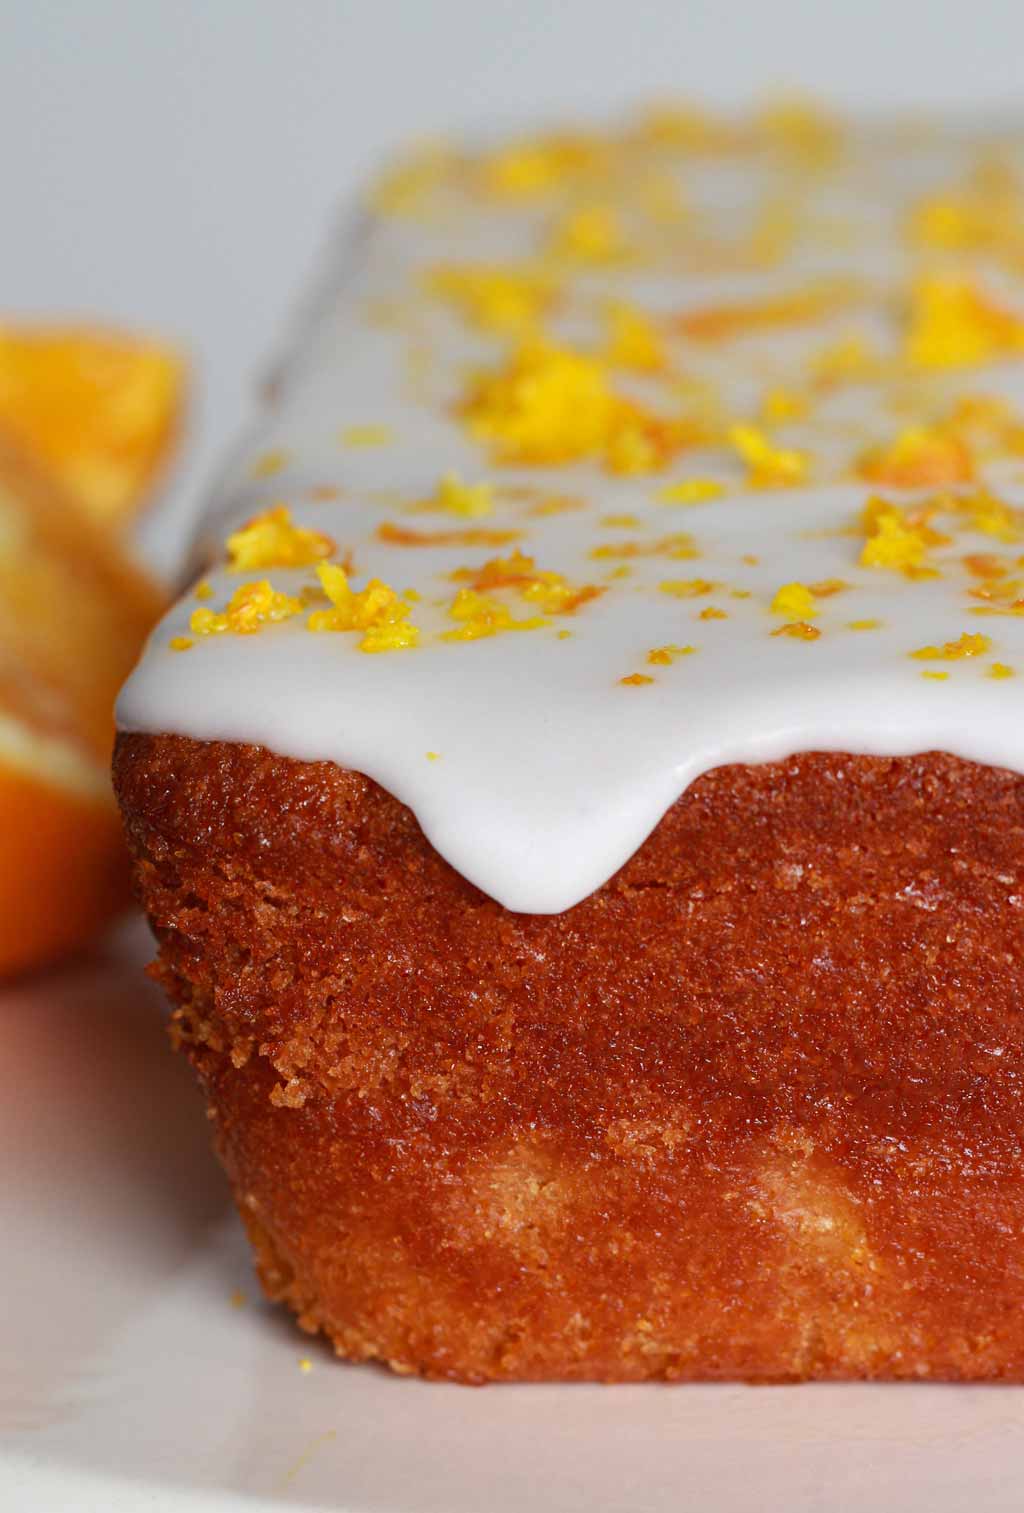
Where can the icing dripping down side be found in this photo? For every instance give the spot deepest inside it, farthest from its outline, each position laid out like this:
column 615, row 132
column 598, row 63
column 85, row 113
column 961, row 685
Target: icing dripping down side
column 641, row 508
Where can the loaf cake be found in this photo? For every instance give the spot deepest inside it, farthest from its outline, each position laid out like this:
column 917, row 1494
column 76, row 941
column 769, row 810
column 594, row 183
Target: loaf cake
column 580, row 805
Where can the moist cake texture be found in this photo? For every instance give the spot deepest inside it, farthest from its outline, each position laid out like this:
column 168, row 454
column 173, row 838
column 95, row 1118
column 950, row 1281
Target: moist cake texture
column 752, row 1109
column 580, row 806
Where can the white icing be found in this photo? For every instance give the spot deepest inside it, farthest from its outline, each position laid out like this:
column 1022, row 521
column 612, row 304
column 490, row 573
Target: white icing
column 549, row 773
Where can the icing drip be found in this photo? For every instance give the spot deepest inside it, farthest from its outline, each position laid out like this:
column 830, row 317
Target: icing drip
column 614, row 459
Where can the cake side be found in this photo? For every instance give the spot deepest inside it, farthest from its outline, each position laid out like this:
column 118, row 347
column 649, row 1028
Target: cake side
column 749, row 1110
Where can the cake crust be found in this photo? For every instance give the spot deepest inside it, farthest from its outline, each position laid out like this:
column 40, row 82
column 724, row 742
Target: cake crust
column 751, row 1110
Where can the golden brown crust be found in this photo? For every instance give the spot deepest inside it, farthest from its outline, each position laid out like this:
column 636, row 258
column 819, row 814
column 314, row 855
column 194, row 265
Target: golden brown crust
column 753, row 1109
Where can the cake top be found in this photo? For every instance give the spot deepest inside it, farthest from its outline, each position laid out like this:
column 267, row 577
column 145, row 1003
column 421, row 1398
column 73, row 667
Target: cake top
column 609, row 457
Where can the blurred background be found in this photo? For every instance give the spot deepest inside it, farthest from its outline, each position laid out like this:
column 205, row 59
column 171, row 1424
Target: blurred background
column 173, row 165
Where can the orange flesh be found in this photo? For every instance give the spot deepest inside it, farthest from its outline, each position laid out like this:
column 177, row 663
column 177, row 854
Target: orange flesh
column 73, row 612
column 62, row 874
column 98, row 409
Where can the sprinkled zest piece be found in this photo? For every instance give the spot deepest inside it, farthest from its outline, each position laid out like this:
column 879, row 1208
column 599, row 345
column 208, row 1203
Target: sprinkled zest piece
column 678, row 547
column 992, row 516
column 664, row 656
column 897, row 539
column 797, row 600
column 691, row 491
column 366, row 436
column 770, row 466
column 250, row 608
column 482, row 615
column 799, row 630
column 633, row 340
column 966, row 645
column 496, row 299
column 719, row 323
column 552, row 591
column 376, row 610
column 919, row 458
column 955, row 325
column 551, row 404
column 271, row 540
column 471, row 500
column 406, row 188
column 589, row 234
column 687, row 588
column 268, row 463
column 537, row 166
column 474, row 535
column 781, row 405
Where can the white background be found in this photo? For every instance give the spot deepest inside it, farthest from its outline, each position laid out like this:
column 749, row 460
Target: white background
column 174, row 163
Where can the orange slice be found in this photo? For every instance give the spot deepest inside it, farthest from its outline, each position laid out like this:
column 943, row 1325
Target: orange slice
column 73, row 613
column 97, row 408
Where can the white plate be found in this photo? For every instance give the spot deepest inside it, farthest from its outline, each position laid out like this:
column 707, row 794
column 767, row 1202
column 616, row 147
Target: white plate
column 129, row 1383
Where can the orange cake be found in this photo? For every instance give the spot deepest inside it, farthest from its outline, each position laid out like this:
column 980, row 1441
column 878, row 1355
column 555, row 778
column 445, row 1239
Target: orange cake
column 581, row 807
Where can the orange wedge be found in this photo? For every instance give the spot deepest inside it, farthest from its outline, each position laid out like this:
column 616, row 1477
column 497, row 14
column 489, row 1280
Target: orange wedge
column 73, row 613
column 97, row 409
